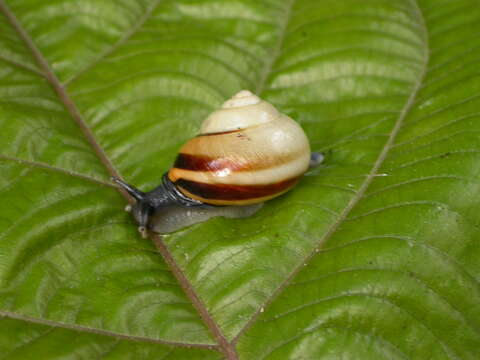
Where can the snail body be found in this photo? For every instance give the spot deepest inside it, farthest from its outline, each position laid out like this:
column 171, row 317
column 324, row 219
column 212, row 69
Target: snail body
column 247, row 152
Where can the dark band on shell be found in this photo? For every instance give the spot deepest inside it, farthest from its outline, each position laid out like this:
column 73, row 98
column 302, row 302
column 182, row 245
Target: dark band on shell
column 206, row 163
column 232, row 193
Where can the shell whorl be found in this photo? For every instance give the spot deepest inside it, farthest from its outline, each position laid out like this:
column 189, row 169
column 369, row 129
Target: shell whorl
column 247, row 152
column 242, row 98
column 241, row 111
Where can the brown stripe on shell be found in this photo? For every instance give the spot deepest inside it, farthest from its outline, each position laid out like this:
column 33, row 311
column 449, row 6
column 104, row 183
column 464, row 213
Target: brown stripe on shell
column 219, row 133
column 192, row 162
column 205, row 163
column 233, row 193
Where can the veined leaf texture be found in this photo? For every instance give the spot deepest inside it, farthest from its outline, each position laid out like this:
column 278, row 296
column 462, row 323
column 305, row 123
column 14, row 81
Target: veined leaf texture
column 374, row 255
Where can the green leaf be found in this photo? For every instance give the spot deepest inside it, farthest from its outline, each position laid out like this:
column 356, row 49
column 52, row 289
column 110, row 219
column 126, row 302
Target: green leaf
column 374, row 255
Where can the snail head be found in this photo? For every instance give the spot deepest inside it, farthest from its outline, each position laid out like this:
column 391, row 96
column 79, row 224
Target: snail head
column 141, row 209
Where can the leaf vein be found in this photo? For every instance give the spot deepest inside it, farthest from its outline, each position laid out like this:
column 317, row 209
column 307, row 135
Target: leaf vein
column 118, row 44
column 22, row 66
column 365, row 185
column 41, row 165
column 86, row 329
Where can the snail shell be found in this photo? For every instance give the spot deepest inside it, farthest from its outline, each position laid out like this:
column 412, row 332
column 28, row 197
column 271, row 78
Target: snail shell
column 247, row 152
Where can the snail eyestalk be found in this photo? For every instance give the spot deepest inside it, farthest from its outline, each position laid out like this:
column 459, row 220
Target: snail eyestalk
column 133, row 191
column 316, row 158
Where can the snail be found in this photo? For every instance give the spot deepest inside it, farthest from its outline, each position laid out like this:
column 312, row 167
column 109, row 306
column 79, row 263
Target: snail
column 247, row 152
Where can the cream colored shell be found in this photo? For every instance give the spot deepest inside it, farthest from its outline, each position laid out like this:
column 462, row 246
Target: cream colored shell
column 247, row 144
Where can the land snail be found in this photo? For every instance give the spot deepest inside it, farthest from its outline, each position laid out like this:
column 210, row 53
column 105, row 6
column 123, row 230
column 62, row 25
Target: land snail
column 247, row 152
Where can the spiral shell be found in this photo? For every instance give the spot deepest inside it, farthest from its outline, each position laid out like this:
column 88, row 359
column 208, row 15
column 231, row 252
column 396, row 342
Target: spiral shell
column 247, row 152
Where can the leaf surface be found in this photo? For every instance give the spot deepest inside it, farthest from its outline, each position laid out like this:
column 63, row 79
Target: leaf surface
column 373, row 255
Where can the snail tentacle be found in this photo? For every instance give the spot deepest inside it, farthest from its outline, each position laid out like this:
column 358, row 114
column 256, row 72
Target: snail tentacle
column 316, row 158
column 130, row 189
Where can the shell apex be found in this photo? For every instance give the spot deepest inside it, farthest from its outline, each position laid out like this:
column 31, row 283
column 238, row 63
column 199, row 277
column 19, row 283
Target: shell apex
column 241, row 111
column 242, row 98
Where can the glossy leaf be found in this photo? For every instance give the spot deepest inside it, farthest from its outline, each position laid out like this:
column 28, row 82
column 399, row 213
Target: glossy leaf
column 374, row 255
